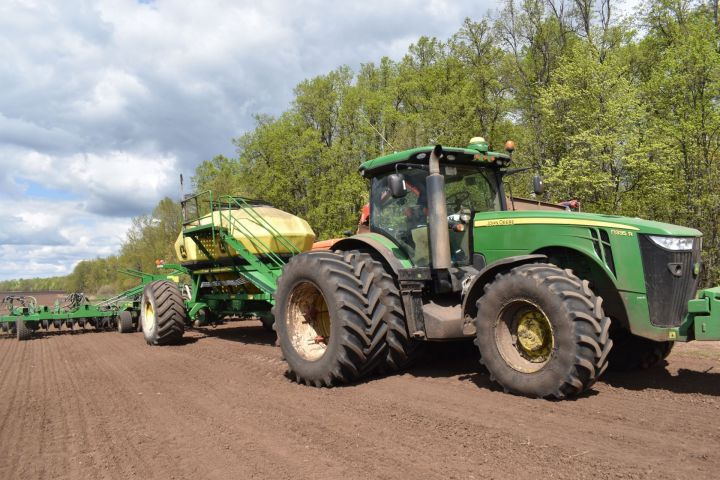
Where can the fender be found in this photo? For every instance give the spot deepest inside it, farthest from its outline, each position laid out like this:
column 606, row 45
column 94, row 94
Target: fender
column 475, row 289
column 367, row 242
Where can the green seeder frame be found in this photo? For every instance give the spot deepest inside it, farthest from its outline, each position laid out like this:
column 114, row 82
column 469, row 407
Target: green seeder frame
column 99, row 315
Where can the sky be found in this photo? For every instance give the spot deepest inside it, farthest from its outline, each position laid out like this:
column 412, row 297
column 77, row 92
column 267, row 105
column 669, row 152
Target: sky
column 104, row 103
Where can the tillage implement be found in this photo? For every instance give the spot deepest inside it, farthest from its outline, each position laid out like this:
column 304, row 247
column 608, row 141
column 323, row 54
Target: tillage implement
column 23, row 316
column 551, row 298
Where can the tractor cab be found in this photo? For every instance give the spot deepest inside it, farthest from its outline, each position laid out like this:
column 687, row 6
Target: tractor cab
column 399, row 207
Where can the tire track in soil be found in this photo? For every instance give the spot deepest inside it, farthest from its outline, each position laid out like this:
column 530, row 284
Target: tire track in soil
column 67, row 437
column 310, row 427
column 220, row 407
column 12, row 391
column 215, row 419
column 110, row 446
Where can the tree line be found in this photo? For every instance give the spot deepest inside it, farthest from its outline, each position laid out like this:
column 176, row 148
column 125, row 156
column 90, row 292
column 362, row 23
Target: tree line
column 622, row 114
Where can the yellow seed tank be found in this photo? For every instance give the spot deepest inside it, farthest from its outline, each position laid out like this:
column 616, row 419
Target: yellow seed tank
column 293, row 228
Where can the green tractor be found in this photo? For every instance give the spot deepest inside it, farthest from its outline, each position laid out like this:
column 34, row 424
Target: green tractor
column 551, row 298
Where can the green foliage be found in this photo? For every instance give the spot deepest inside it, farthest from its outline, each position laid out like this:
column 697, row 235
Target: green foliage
column 221, row 175
column 626, row 122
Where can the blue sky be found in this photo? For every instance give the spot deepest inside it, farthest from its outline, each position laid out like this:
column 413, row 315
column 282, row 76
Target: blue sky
column 103, row 103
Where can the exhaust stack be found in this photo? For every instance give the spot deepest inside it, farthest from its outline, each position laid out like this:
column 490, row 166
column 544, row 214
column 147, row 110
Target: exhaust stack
column 437, row 213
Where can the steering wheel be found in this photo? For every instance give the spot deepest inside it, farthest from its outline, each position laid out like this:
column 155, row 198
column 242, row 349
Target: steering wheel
column 457, row 198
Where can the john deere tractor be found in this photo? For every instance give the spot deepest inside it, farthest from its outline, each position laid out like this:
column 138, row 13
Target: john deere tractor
column 551, row 298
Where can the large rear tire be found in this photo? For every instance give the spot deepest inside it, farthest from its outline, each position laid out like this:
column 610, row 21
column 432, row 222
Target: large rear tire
column 631, row 352
column 542, row 332
column 329, row 317
column 403, row 350
column 162, row 315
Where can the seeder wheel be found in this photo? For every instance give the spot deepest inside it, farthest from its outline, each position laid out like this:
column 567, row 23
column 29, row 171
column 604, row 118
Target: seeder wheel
column 163, row 314
column 124, row 322
column 23, row 332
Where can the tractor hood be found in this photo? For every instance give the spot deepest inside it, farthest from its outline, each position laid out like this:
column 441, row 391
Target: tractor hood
column 543, row 217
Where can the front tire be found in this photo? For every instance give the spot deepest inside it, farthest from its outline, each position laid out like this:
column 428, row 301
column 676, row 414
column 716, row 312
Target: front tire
column 329, row 318
column 542, row 332
column 163, row 314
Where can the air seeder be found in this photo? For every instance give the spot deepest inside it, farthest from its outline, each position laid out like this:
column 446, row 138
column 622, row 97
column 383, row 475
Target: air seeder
column 233, row 250
column 551, row 298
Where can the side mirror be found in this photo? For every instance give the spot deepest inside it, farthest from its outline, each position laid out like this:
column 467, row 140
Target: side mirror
column 396, row 182
column 538, row 185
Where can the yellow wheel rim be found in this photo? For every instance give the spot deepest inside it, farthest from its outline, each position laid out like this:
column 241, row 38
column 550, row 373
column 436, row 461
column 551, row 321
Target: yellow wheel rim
column 534, row 336
column 524, row 336
column 148, row 319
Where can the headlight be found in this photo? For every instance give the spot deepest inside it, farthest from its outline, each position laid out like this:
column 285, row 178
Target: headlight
column 673, row 243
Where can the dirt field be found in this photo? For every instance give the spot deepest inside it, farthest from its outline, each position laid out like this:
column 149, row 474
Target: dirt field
column 105, row 405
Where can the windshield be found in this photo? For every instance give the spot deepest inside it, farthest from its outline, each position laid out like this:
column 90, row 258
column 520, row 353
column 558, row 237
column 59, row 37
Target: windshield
column 470, row 188
column 467, row 190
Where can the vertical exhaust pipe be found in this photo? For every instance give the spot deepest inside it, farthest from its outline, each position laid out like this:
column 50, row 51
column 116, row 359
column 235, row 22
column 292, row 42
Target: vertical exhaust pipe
column 437, row 213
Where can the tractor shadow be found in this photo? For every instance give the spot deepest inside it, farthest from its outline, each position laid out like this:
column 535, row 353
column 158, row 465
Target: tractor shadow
column 461, row 360
column 249, row 332
column 659, row 378
column 453, row 359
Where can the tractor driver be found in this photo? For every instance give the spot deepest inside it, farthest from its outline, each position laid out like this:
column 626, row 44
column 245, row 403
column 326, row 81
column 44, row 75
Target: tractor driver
column 404, row 219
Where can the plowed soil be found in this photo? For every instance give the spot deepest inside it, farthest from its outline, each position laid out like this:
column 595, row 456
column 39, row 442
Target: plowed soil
column 106, row 405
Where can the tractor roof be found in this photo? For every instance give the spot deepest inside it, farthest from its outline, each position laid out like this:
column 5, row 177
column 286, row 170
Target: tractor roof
column 475, row 154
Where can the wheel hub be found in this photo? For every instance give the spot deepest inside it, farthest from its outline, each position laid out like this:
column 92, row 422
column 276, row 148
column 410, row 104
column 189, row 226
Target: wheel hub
column 534, row 336
column 524, row 336
column 148, row 320
column 308, row 321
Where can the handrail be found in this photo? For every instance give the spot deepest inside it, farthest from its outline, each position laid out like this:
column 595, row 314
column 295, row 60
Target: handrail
column 259, row 245
column 262, row 222
column 195, row 199
column 258, row 220
column 226, row 223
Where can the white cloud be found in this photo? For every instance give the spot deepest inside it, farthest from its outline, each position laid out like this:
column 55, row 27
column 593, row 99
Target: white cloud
column 47, row 238
column 112, row 183
column 104, row 102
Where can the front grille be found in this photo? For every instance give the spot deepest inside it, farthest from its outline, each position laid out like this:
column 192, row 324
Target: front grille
column 670, row 281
